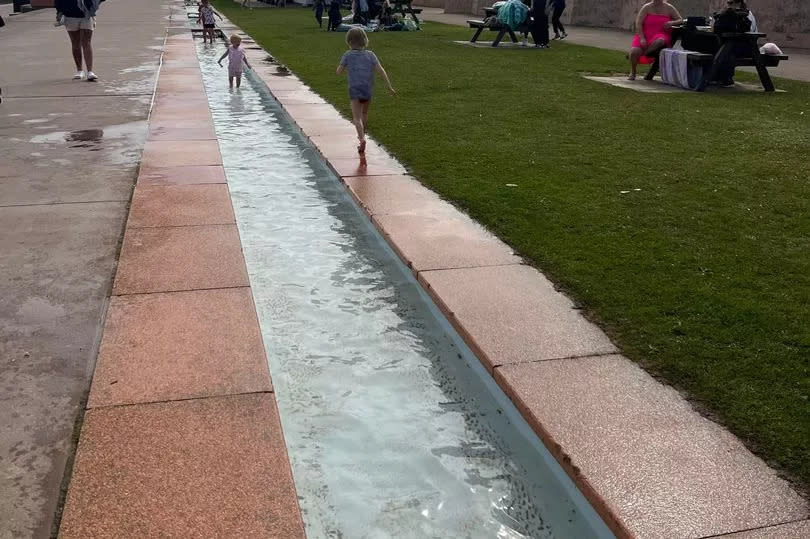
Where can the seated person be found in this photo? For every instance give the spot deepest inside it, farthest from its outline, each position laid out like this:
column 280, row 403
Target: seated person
column 654, row 24
column 735, row 18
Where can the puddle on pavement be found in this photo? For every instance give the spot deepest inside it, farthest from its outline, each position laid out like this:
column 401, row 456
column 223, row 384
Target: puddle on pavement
column 394, row 428
column 119, row 144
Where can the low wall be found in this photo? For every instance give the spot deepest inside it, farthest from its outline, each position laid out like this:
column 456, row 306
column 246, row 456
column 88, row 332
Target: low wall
column 787, row 22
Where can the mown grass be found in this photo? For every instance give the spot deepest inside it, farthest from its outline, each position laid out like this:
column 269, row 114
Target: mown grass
column 701, row 272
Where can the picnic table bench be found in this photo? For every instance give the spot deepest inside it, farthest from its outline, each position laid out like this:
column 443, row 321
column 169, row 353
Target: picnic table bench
column 499, row 27
column 728, row 52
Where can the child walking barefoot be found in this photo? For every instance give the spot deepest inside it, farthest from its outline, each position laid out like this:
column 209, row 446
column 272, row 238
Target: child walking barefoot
column 360, row 65
column 207, row 20
column 236, row 57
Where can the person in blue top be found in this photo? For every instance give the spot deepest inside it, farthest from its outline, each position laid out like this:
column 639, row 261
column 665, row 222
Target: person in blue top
column 360, row 65
column 558, row 7
column 79, row 18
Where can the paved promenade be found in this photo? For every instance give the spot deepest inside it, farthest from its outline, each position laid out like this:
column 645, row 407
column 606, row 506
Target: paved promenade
column 70, row 152
column 180, row 435
column 798, row 67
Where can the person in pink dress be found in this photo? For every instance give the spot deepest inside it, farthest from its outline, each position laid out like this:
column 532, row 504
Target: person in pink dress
column 654, row 26
column 236, row 61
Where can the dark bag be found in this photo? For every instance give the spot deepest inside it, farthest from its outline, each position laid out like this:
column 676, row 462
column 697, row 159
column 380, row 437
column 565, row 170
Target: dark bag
column 732, row 21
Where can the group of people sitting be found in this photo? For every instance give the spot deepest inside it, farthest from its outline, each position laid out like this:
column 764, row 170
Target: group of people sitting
column 364, row 13
column 656, row 20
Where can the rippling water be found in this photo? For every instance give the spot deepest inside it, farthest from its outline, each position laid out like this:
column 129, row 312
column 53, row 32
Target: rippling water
column 392, row 429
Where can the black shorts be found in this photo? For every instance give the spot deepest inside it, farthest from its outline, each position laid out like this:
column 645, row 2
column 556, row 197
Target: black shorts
column 209, row 26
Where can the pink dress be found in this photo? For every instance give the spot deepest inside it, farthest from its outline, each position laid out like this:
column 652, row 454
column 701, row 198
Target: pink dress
column 236, row 57
column 653, row 28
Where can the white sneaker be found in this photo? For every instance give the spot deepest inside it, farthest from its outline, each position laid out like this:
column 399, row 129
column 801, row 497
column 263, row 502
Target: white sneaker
column 79, row 75
column 91, row 77
column 525, row 42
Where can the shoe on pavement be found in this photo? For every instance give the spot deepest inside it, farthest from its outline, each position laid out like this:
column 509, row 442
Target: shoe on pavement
column 91, row 77
column 79, row 75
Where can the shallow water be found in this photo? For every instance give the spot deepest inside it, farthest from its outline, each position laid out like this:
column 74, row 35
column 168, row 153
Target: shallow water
column 393, row 427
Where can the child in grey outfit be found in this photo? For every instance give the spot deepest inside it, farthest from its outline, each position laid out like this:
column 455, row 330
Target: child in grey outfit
column 360, row 65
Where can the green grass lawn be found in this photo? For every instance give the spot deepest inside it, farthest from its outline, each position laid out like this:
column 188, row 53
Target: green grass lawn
column 701, row 272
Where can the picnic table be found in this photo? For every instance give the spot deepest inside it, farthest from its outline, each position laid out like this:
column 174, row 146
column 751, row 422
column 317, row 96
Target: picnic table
column 725, row 48
column 404, row 7
column 501, row 28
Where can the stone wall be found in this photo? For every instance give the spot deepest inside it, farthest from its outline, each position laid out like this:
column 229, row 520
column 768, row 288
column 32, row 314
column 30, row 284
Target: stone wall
column 787, row 22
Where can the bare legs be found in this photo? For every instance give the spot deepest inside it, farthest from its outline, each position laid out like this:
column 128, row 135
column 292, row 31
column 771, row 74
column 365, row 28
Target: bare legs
column 635, row 55
column 637, row 52
column 87, row 47
column 360, row 120
column 238, row 81
column 81, row 45
column 76, row 48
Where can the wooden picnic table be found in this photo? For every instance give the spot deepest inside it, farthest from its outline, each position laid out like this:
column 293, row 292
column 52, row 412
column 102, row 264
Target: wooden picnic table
column 720, row 50
column 502, row 29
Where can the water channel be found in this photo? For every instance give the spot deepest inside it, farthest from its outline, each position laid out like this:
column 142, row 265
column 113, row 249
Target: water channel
column 393, row 427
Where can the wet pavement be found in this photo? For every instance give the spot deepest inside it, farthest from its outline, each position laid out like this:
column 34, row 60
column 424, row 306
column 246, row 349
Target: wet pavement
column 70, row 152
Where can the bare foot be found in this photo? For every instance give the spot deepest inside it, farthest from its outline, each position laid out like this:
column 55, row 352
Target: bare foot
column 632, row 76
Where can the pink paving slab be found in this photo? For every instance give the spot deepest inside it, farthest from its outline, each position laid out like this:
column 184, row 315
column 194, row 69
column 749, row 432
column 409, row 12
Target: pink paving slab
column 214, row 467
column 180, row 205
column 180, row 345
column 194, row 174
column 180, row 258
column 181, row 153
column 313, row 112
column 513, row 314
column 372, row 165
column 658, row 465
column 444, row 240
column 333, row 128
column 337, row 146
column 163, row 133
column 382, row 195
column 792, row 530
column 292, row 97
column 275, row 82
column 192, row 105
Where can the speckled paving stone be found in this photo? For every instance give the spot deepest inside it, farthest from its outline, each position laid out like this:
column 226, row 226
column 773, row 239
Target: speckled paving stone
column 180, row 205
column 793, row 530
column 213, row 467
column 181, row 153
column 512, row 314
column 382, row 195
column 657, row 464
column 444, row 240
column 180, row 345
column 180, row 258
column 189, row 175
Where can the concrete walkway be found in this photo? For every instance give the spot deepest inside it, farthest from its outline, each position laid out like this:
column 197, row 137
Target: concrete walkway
column 798, row 67
column 70, row 152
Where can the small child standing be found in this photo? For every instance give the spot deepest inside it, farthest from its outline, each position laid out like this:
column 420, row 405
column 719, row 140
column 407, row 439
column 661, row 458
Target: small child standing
column 236, row 57
column 207, row 20
column 360, row 65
